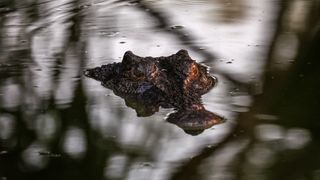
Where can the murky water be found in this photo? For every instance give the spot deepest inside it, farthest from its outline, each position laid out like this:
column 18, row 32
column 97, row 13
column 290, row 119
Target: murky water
column 57, row 124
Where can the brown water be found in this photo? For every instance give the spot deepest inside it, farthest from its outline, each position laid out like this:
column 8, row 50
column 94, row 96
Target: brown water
column 57, row 124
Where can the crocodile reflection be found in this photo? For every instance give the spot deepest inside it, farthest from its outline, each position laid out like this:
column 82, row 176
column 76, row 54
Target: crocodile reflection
column 148, row 83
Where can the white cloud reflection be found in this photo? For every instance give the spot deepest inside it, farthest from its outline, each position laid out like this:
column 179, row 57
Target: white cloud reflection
column 75, row 143
column 32, row 159
column 7, row 126
column 297, row 138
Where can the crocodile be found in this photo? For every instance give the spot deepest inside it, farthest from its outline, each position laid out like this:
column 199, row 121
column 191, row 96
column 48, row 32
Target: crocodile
column 175, row 81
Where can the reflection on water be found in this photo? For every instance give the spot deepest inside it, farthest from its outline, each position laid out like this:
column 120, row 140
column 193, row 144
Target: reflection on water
column 56, row 124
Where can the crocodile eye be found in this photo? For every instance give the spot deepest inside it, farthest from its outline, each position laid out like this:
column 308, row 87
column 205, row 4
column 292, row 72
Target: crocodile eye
column 194, row 70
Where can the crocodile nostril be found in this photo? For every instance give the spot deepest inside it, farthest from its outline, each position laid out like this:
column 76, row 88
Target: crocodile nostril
column 87, row 73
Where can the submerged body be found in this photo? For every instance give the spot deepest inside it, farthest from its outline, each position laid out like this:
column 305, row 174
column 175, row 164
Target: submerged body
column 175, row 81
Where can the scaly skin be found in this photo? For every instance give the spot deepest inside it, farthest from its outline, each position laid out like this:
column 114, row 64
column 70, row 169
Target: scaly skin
column 147, row 83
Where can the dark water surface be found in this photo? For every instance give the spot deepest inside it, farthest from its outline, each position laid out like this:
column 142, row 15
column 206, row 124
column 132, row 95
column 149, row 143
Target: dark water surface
column 57, row 124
